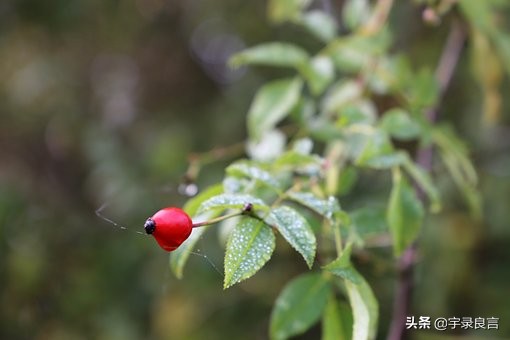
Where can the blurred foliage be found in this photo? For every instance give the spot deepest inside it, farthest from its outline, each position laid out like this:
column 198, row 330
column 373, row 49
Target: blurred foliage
column 103, row 101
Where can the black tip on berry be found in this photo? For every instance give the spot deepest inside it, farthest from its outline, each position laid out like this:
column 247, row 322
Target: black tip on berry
column 149, row 226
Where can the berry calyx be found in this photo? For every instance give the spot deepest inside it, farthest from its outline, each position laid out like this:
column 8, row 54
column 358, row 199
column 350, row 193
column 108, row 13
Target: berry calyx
column 149, row 226
column 170, row 227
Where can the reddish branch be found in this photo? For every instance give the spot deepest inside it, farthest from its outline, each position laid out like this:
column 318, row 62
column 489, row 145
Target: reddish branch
column 444, row 72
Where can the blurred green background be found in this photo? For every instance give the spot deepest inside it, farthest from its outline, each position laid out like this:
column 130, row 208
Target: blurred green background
column 102, row 101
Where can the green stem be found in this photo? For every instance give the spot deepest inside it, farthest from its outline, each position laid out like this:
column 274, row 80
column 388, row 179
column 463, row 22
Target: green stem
column 218, row 219
column 379, row 17
column 338, row 238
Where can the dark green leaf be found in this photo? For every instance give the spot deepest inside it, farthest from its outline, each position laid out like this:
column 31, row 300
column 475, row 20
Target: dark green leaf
column 271, row 54
column 249, row 247
column 299, row 306
column 271, row 104
column 296, row 230
column 368, row 221
column 405, row 213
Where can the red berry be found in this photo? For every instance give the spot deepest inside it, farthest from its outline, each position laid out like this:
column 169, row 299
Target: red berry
column 170, row 227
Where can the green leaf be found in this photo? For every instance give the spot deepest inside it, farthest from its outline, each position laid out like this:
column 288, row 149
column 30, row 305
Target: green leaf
column 354, row 53
column 299, row 306
column 249, row 247
column 487, row 67
column 254, row 172
column 454, row 155
column 502, row 43
column 327, row 208
column 480, row 14
column 179, row 257
column 297, row 159
column 398, row 124
column 369, row 221
column 336, row 321
column 192, row 205
column 347, row 180
column 451, row 144
column 299, row 163
column 355, row 13
column 319, row 73
column 285, row 10
column 358, row 112
column 425, row 182
column 405, row 213
column 304, row 110
column 341, row 94
column 270, row 146
column 322, row 130
column 271, row 54
column 303, row 146
column 226, row 227
column 423, row 90
column 375, row 144
column 365, row 310
column 231, row 201
column 342, row 266
column 296, row 230
column 391, row 74
column 272, row 103
column 320, row 24
column 386, row 161
column 234, row 185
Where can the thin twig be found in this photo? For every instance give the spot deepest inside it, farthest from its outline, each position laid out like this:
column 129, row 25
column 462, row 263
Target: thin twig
column 197, row 160
column 444, row 73
column 378, row 18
